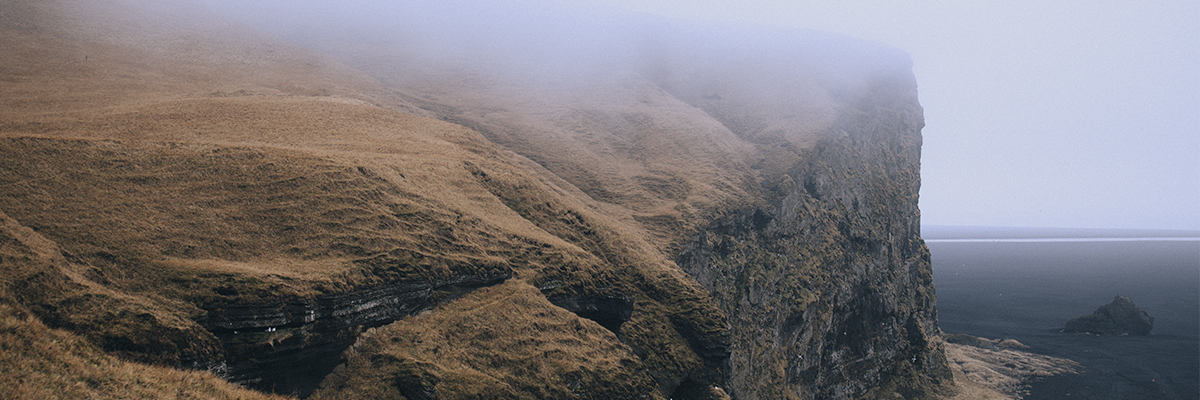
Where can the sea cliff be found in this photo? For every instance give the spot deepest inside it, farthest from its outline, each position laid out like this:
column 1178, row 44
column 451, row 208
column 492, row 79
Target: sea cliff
column 830, row 289
column 633, row 209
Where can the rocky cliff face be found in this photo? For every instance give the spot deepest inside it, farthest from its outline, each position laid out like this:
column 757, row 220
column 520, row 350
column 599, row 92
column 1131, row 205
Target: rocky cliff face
column 632, row 210
column 806, row 232
column 830, row 290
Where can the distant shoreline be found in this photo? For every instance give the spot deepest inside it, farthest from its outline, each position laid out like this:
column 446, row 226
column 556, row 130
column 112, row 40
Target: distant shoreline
column 1066, row 240
column 1024, row 284
column 984, row 234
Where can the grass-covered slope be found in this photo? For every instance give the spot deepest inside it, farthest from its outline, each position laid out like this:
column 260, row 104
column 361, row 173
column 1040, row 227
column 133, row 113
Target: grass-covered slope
column 506, row 341
column 176, row 170
column 780, row 169
column 44, row 363
column 178, row 190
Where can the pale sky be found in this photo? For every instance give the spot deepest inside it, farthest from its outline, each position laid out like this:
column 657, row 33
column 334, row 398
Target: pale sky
column 1073, row 114
column 1042, row 114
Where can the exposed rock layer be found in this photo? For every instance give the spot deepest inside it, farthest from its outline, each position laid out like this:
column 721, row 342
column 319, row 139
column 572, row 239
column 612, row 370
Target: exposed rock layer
column 288, row 347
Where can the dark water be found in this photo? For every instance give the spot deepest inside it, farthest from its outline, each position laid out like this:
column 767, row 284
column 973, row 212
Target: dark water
column 1028, row 290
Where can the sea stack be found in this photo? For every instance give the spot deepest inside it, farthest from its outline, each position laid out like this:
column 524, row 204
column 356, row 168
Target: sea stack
column 1121, row 317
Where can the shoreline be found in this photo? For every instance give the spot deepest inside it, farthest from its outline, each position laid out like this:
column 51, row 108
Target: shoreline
column 1065, row 240
column 1028, row 288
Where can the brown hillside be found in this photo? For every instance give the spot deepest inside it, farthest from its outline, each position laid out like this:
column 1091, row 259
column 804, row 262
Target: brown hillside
column 44, row 363
column 64, row 57
column 663, row 132
column 174, row 166
column 780, row 169
column 492, row 210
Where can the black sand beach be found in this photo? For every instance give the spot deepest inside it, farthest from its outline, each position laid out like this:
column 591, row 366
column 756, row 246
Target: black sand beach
column 1028, row 290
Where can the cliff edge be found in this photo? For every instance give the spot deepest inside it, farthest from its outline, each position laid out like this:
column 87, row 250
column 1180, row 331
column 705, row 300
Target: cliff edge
column 830, row 289
column 593, row 207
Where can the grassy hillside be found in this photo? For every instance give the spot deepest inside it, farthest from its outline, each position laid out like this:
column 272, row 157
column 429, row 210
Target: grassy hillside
column 160, row 163
column 184, row 197
column 66, row 57
column 44, row 363
column 663, row 148
column 481, row 347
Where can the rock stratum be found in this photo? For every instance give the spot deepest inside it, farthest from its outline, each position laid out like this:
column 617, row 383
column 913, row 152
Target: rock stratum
column 605, row 206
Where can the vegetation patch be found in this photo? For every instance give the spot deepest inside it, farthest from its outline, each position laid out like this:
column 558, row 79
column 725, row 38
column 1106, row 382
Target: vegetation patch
column 44, row 363
column 505, row 341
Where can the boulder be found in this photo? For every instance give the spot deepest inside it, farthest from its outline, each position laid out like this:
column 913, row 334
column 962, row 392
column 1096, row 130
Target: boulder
column 1121, row 317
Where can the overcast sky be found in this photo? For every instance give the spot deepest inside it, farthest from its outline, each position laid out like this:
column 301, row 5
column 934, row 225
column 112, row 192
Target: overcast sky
column 1043, row 114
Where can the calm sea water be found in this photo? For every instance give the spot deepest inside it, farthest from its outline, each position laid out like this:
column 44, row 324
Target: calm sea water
column 1027, row 289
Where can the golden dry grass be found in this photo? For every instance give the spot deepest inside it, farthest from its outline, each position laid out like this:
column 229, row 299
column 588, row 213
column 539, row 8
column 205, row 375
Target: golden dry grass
column 64, row 56
column 505, row 341
column 43, row 363
column 662, row 155
column 642, row 156
column 63, row 290
column 632, row 150
column 152, row 153
column 1000, row 372
column 142, row 182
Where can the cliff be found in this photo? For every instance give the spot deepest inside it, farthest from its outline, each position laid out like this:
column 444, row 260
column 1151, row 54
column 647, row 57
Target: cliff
column 600, row 214
column 830, row 289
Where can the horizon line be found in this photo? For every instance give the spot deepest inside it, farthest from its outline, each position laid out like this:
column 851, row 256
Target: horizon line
column 927, row 225
column 1052, row 240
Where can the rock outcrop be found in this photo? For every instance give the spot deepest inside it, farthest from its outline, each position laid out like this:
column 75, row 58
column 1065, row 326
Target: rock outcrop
column 999, row 369
column 1121, row 317
column 288, row 347
column 830, row 290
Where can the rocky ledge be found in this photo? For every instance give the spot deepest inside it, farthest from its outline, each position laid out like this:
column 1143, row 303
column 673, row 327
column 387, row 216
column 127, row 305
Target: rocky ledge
column 290, row 345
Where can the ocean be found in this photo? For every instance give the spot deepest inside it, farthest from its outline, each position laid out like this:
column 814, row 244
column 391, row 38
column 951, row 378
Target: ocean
column 1025, row 284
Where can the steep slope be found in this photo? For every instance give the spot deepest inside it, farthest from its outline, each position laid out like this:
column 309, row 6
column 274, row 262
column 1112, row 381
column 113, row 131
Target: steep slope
column 44, row 363
column 211, row 197
column 214, row 216
column 780, row 169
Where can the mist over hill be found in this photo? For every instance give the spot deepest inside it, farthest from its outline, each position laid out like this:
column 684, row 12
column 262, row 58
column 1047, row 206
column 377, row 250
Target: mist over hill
column 441, row 201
